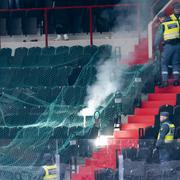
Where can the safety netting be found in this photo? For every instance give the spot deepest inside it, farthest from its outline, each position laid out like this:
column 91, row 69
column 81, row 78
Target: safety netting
column 41, row 102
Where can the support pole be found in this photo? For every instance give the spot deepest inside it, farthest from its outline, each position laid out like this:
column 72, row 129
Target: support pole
column 91, row 25
column 46, row 27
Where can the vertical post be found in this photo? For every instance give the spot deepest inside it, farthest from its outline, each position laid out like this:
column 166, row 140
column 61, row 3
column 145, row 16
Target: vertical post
column 46, row 27
column 139, row 21
column 91, row 25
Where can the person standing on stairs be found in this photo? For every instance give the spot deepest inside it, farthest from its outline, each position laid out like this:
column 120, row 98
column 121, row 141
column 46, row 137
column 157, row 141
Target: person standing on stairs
column 176, row 12
column 165, row 138
column 168, row 35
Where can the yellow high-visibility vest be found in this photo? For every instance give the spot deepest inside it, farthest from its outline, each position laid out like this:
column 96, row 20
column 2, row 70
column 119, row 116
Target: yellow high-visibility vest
column 171, row 30
column 50, row 172
column 174, row 18
column 170, row 135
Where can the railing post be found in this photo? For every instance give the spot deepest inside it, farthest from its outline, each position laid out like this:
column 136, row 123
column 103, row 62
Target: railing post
column 91, row 25
column 139, row 21
column 46, row 27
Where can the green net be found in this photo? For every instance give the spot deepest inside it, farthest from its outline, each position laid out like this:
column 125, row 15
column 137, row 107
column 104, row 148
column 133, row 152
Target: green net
column 39, row 106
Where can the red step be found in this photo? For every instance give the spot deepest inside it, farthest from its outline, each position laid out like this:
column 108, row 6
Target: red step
column 169, row 89
column 141, row 119
column 162, row 97
column 130, row 126
column 146, row 111
column 157, row 104
column 130, row 134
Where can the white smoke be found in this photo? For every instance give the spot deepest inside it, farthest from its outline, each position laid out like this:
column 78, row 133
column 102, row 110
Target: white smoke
column 108, row 82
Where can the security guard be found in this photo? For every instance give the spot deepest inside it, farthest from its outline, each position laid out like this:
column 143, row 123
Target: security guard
column 165, row 137
column 169, row 35
column 176, row 15
column 48, row 171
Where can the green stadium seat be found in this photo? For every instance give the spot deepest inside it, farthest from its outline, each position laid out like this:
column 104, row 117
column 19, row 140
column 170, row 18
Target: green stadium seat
column 76, row 51
column 87, row 76
column 32, row 77
column 30, row 60
column 90, row 49
column 62, row 76
column 49, row 51
column 4, row 61
column 6, row 75
column 83, row 60
column 6, row 52
column 55, row 91
column 14, row 131
column 43, row 60
column 60, row 132
column 58, row 60
column 73, row 95
column 4, row 133
column 34, row 51
column 21, row 52
column 62, row 50
column 30, row 132
column 16, row 61
column 48, row 77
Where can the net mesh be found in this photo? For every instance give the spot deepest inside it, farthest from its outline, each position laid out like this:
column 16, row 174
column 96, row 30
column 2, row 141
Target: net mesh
column 39, row 106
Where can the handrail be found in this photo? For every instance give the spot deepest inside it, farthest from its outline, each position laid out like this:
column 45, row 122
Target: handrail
column 137, row 5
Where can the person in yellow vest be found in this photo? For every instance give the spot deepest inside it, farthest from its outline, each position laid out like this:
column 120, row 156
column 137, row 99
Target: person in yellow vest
column 169, row 36
column 176, row 15
column 165, row 137
column 49, row 170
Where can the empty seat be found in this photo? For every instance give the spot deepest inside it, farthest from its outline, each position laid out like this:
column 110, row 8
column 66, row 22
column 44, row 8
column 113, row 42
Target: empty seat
column 62, row 50
column 90, row 49
column 5, row 52
column 43, row 60
column 49, row 77
column 15, row 131
column 55, row 91
column 30, row 60
column 4, row 61
column 62, row 76
column 74, row 75
column 30, row 132
column 60, row 132
column 21, row 52
column 4, row 133
column 87, row 76
column 83, row 60
column 76, row 50
column 73, row 95
column 32, row 77
column 34, row 51
column 58, row 60
column 48, row 51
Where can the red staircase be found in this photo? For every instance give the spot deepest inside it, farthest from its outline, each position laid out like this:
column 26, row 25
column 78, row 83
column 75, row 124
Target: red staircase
column 128, row 135
column 139, row 55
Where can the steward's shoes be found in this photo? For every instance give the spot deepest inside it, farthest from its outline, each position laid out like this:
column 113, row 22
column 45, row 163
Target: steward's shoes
column 164, row 84
column 176, row 83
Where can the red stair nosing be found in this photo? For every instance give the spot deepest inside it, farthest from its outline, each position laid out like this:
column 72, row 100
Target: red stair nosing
column 156, row 104
column 162, row 96
column 146, row 111
column 141, row 119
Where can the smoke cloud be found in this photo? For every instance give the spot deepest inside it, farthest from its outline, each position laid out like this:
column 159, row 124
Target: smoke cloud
column 109, row 73
column 108, row 81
